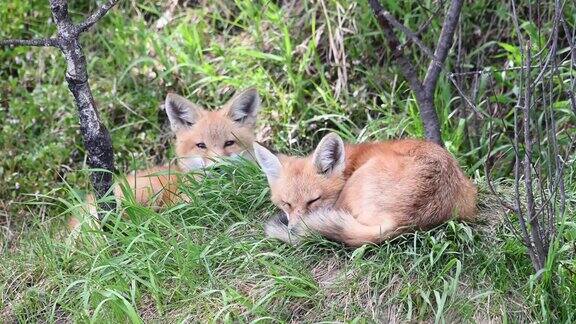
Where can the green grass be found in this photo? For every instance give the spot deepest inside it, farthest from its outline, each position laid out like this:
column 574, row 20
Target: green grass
column 208, row 260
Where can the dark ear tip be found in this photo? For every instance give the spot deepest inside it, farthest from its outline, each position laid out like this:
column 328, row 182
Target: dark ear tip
column 333, row 136
column 332, row 139
column 251, row 90
column 172, row 97
column 267, row 147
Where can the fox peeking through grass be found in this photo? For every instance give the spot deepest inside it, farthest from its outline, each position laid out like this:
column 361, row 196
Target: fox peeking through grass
column 202, row 137
column 365, row 193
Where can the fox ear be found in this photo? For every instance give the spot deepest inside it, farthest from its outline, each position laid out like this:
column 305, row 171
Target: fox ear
column 269, row 162
column 181, row 112
column 329, row 155
column 244, row 106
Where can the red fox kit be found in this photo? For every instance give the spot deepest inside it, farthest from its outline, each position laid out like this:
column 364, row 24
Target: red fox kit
column 365, row 193
column 201, row 137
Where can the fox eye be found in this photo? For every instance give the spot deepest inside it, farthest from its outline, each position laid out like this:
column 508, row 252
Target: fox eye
column 286, row 204
column 310, row 202
column 229, row 143
column 201, row 145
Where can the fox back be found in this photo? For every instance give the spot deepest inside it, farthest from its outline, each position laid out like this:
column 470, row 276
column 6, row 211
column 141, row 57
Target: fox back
column 418, row 182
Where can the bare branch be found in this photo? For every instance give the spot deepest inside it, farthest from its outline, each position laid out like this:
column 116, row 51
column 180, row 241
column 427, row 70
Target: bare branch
column 428, row 21
column 488, row 171
column 571, row 36
column 424, row 99
column 572, row 101
column 517, row 27
column 95, row 16
column 44, row 42
column 443, row 46
column 517, row 197
column 405, row 65
column 537, row 239
column 490, row 70
column 410, row 34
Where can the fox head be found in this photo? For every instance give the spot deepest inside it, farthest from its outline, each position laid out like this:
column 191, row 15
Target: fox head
column 203, row 136
column 300, row 185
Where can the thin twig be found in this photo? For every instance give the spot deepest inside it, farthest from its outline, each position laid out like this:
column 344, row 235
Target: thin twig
column 428, row 21
column 410, row 34
column 526, row 237
column 95, row 16
column 535, row 231
column 548, row 199
column 468, row 102
column 571, row 37
column 517, row 27
column 490, row 70
column 517, row 175
column 488, row 172
column 45, row 42
column 554, row 40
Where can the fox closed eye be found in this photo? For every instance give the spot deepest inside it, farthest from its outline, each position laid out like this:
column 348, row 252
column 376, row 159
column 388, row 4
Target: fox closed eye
column 286, row 204
column 229, row 143
column 201, row 145
column 310, row 202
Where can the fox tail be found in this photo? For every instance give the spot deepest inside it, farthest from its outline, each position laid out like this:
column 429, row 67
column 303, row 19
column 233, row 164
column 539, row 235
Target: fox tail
column 336, row 225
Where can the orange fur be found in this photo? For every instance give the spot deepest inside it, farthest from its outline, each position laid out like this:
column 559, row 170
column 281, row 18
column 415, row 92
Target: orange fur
column 155, row 186
column 378, row 190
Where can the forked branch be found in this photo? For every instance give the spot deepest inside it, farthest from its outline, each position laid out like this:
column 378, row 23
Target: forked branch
column 96, row 15
column 422, row 89
column 443, row 46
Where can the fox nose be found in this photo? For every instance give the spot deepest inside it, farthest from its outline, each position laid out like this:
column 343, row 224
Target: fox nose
column 297, row 214
column 294, row 218
column 283, row 218
column 217, row 153
column 212, row 157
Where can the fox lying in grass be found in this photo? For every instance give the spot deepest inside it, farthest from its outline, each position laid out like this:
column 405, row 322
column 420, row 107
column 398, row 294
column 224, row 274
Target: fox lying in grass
column 202, row 136
column 365, row 193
